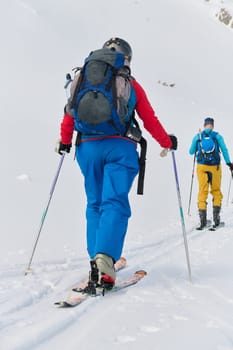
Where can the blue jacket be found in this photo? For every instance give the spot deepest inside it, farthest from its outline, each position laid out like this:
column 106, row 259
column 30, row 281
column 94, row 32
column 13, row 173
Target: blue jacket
column 222, row 146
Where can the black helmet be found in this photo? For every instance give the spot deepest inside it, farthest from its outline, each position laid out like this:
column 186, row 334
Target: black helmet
column 119, row 45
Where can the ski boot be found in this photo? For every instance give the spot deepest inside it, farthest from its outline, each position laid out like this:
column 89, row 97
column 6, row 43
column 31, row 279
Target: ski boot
column 216, row 216
column 106, row 272
column 102, row 275
column 203, row 221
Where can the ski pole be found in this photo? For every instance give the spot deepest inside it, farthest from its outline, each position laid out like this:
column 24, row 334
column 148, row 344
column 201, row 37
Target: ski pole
column 45, row 212
column 181, row 215
column 191, row 187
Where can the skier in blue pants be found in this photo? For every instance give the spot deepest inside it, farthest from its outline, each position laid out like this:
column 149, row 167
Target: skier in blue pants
column 109, row 162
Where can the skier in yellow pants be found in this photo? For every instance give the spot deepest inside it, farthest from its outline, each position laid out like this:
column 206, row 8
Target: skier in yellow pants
column 209, row 177
column 206, row 145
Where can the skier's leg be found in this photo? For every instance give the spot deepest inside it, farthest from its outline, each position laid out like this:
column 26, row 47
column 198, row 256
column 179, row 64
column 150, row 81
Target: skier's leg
column 121, row 167
column 216, row 193
column 89, row 157
column 202, row 176
column 216, row 185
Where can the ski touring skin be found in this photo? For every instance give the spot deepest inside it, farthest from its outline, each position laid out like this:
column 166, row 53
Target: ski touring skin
column 78, row 297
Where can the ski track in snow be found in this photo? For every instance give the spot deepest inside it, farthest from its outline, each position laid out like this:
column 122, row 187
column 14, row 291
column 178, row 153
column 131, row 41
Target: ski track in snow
column 24, row 301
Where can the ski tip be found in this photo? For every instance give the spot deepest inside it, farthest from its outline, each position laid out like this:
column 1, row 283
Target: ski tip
column 122, row 259
column 66, row 304
column 120, row 264
column 62, row 304
column 141, row 272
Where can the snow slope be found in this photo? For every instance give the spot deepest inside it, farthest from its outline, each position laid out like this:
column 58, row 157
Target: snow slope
column 174, row 41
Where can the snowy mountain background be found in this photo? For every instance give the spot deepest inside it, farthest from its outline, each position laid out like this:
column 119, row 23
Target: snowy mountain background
column 175, row 42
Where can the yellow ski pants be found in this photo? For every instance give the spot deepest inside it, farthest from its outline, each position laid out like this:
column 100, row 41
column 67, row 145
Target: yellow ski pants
column 209, row 177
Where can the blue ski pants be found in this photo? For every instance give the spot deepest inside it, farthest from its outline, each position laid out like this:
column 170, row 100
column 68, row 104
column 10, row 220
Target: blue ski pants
column 109, row 166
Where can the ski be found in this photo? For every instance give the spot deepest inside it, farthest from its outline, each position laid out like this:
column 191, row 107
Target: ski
column 215, row 228
column 207, row 227
column 119, row 265
column 74, row 300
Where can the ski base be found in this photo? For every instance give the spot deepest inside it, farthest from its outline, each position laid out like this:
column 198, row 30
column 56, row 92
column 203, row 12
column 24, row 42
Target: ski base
column 125, row 283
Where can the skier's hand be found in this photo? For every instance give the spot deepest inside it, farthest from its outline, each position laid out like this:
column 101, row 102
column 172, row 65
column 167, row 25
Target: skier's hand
column 174, row 141
column 230, row 166
column 164, row 152
column 61, row 148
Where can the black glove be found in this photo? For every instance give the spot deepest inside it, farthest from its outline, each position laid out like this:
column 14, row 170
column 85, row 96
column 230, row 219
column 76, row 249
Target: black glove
column 230, row 166
column 63, row 148
column 173, row 139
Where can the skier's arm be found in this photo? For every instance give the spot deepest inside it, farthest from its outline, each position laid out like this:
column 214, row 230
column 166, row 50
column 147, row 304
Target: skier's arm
column 223, row 148
column 150, row 120
column 193, row 147
column 66, row 129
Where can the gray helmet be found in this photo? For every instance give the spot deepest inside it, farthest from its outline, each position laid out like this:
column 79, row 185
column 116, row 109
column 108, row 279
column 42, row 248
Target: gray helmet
column 119, row 45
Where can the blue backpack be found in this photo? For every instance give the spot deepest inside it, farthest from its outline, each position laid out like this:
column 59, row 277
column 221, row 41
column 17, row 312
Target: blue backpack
column 207, row 149
column 102, row 99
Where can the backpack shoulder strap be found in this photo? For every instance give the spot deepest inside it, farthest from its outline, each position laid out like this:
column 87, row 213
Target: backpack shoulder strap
column 214, row 136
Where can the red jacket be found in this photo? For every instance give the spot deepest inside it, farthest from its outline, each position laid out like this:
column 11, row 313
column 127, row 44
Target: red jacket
column 143, row 109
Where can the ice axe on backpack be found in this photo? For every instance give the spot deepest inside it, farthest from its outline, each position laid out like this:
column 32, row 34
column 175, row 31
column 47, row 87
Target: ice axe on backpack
column 67, row 83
